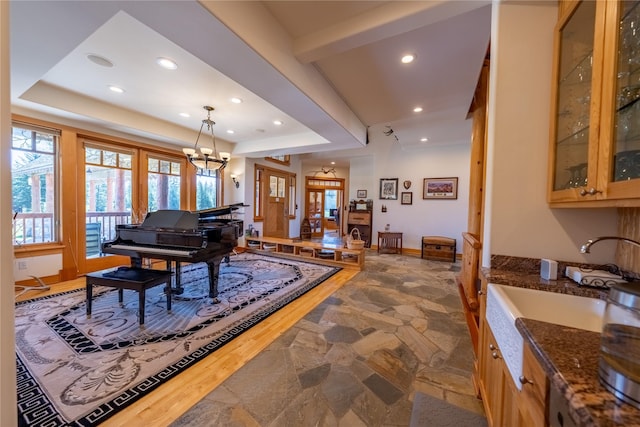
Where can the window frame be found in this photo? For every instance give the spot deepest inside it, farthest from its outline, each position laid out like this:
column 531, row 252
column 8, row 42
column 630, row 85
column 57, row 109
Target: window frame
column 145, row 156
column 56, row 219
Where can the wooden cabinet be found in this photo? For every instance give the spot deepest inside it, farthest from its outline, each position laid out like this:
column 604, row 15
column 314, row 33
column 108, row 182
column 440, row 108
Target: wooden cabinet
column 361, row 220
column 595, row 132
column 504, row 404
column 499, row 394
column 535, row 388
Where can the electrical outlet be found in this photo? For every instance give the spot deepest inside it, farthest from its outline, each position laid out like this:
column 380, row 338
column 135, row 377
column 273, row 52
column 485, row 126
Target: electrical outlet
column 22, row 265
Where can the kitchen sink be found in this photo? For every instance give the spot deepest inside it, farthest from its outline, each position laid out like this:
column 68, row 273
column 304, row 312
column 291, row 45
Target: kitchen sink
column 507, row 303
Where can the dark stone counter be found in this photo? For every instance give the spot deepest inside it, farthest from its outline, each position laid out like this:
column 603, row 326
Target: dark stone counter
column 568, row 355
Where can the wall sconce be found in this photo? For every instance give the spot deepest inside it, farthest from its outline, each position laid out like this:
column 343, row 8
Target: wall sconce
column 235, row 180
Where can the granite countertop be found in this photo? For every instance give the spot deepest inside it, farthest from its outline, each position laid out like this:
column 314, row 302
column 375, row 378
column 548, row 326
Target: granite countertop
column 568, row 355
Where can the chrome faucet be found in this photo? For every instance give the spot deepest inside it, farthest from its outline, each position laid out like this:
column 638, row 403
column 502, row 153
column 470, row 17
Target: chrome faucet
column 585, row 249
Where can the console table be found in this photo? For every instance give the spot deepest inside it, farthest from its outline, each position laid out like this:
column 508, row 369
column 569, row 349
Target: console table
column 137, row 279
column 389, row 242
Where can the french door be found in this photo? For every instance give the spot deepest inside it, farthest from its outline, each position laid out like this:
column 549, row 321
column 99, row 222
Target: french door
column 324, row 201
column 120, row 186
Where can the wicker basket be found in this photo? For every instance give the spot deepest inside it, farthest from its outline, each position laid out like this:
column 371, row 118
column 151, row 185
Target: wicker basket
column 355, row 242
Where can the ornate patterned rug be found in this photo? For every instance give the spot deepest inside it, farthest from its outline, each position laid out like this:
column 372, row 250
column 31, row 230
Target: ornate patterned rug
column 74, row 370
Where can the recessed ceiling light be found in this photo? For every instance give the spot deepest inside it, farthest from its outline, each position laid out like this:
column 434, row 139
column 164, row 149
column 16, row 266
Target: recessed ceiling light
column 417, row 110
column 408, row 58
column 100, row 60
column 333, row 163
column 236, row 100
column 185, row 115
column 230, row 131
column 166, row 63
column 277, row 122
column 424, row 139
column 116, row 89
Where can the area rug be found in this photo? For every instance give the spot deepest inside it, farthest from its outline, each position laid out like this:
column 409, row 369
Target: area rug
column 74, row 370
column 429, row 411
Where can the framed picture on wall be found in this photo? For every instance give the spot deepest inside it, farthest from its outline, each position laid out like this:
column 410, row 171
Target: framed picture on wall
column 440, row 188
column 361, row 194
column 389, row 188
column 406, row 198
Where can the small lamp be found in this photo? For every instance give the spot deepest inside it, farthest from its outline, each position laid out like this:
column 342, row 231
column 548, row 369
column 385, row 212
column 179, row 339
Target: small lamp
column 235, row 180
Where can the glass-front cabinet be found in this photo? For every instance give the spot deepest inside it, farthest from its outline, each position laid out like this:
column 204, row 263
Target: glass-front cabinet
column 595, row 135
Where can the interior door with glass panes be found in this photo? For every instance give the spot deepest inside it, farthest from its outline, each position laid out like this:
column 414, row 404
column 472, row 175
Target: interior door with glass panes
column 315, row 212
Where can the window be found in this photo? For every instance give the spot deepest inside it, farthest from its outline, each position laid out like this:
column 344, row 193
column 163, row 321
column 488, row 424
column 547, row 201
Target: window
column 34, row 180
column 257, row 205
column 163, row 178
column 207, row 188
column 292, row 197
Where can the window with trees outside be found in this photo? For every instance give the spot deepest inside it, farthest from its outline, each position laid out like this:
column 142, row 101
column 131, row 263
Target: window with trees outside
column 207, row 188
column 163, row 178
column 34, row 176
column 108, row 197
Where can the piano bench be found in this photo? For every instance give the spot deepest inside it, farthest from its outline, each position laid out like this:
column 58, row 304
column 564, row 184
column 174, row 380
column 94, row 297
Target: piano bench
column 137, row 279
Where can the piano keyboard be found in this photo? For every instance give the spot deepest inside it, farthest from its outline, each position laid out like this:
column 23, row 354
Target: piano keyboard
column 156, row 250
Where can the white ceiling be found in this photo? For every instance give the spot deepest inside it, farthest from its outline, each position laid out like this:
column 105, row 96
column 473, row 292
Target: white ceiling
column 329, row 70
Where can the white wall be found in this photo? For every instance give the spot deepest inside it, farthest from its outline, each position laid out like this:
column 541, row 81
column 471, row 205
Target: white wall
column 518, row 220
column 385, row 158
column 38, row 266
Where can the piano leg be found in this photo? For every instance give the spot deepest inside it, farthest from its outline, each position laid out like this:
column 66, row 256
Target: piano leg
column 178, row 290
column 214, row 270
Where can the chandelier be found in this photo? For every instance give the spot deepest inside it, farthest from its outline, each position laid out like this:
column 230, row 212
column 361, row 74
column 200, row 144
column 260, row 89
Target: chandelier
column 207, row 158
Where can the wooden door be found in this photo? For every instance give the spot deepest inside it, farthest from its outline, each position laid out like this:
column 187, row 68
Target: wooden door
column 276, row 223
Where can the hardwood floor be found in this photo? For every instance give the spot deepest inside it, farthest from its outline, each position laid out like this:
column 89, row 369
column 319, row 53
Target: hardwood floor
column 165, row 404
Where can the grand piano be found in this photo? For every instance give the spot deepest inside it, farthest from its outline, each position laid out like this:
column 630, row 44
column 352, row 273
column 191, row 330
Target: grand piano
column 179, row 236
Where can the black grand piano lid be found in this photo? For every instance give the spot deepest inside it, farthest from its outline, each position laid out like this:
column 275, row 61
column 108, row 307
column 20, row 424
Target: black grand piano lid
column 220, row 210
column 170, row 218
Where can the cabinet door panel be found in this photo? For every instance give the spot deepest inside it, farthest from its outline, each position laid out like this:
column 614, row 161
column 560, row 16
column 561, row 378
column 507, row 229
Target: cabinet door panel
column 595, row 137
column 534, row 391
column 573, row 100
column 620, row 133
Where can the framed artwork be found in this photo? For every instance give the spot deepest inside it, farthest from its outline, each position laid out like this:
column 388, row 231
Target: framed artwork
column 283, row 160
column 361, row 194
column 406, row 198
column 389, row 188
column 440, row 188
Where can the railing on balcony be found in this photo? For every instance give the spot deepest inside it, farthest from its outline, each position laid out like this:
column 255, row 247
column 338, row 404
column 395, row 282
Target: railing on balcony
column 31, row 228
column 108, row 222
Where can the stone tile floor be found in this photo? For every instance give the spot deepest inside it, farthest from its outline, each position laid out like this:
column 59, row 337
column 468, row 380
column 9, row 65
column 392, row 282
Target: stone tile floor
column 356, row 360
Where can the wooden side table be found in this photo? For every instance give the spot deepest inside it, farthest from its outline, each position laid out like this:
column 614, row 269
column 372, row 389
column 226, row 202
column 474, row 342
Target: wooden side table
column 389, row 242
column 137, row 279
